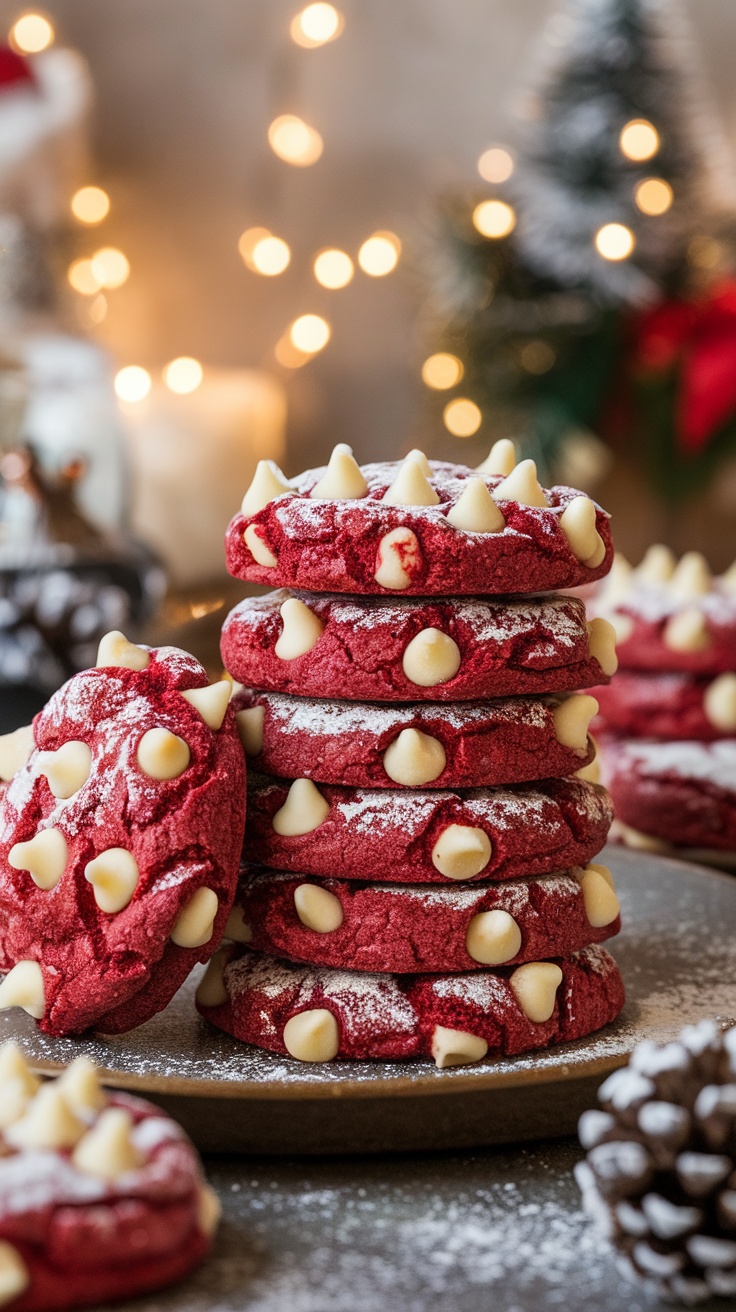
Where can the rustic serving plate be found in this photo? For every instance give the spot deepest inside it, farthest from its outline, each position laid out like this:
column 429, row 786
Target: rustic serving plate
column 677, row 952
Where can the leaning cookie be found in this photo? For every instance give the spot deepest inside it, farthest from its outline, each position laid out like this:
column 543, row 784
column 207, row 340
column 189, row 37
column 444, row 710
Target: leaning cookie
column 425, row 836
column 405, row 928
column 120, row 838
column 317, row 1014
column 683, row 793
column 101, row 1195
column 463, row 745
column 669, row 706
column 368, row 648
column 417, row 527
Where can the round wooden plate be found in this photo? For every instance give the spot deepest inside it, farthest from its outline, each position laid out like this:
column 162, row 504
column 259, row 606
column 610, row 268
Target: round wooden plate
column 677, row 952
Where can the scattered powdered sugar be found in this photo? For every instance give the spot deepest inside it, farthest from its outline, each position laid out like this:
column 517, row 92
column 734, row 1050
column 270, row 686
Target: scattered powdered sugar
column 300, row 715
column 713, row 763
column 656, row 602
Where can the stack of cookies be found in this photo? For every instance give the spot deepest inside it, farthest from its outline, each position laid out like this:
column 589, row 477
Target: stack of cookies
column 419, row 836
column 668, row 721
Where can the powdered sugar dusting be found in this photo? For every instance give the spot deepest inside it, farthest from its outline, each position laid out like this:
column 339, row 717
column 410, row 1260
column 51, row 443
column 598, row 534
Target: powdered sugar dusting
column 713, row 763
column 304, row 716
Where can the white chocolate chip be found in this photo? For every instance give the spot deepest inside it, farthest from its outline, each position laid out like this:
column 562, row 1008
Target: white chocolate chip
column 15, row 750
column 475, row 511
column 342, row 479
column 209, row 1210
column 617, row 582
column 522, row 486
column 599, row 896
column 687, row 631
column 719, row 703
column 81, row 1088
column 456, row 1047
column 210, row 702
column 114, row 877
column 603, row 871
column 623, row 626
column 578, row 523
column 493, row 937
column 211, row 991
column 591, row 773
column 318, row 909
column 657, row 566
column 602, row 645
column 195, row 923
column 250, row 728
column 430, row 658
column 535, row 988
column 398, row 558
column 49, row 1122
column 162, row 755
column 301, row 632
column 23, row 987
column 44, row 857
column 14, row 1274
column 114, row 649
column 572, row 717
column 304, row 810
column 501, row 458
column 14, row 1069
column 692, row 577
column 13, row 1104
column 237, row 929
column 261, row 554
column 312, row 1035
column 268, row 483
column 420, row 459
column 414, row 758
column 66, row 769
column 410, row 487
column 461, row 852
column 107, row 1150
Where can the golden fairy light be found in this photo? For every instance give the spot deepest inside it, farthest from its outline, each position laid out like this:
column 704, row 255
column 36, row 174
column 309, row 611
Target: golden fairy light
column 614, row 241
column 183, row 374
column 333, row 269
column 132, row 383
column 537, row 357
column 441, row 371
column 289, row 355
column 496, row 164
column 653, row 196
column 379, row 254
column 264, row 253
column 494, row 218
column 83, row 278
column 462, row 417
column 90, row 205
column 32, row 33
column 315, row 25
column 294, row 141
column 110, row 267
column 639, row 140
column 310, row 333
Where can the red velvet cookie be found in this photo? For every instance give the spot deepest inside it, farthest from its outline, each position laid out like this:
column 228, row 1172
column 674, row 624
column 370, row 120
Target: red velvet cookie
column 101, row 1196
column 408, row 927
column 420, row 527
column 683, row 793
column 120, row 839
column 463, row 745
column 381, row 649
column 671, row 706
column 315, row 1014
column 671, row 617
column 426, row 837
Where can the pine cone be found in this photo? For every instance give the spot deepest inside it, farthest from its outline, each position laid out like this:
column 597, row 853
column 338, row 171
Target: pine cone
column 660, row 1172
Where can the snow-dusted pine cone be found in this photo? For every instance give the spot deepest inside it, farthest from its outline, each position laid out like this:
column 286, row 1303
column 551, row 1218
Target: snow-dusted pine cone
column 660, row 1172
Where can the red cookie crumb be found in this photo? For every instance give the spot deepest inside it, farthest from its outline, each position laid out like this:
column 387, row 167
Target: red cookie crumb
column 681, row 792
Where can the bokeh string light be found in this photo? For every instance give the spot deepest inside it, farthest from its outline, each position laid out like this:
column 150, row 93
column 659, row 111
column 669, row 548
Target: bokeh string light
column 494, row 218
column 315, row 25
column 462, row 417
column 132, row 383
column 442, row 371
column 496, row 164
column 653, row 196
column 294, row 141
column 310, row 333
column 32, row 33
column 379, row 254
column 333, row 269
column 183, row 375
column 614, row 241
column 110, row 267
column 639, row 140
column 82, row 278
column 90, row 205
column 264, row 253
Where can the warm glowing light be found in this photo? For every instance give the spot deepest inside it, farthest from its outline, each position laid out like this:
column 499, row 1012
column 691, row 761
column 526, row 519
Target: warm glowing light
column 462, row 417
column 264, row 253
column 183, row 374
column 90, row 204
column 639, row 139
column 83, row 278
column 379, row 254
column 316, row 25
column 132, row 383
column 294, row 141
column 98, row 308
column 537, row 357
column 288, row 354
column 309, row 333
column 333, row 269
column 32, row 33
column 110, row 267
column 248, row 241
column 441, row 371
column 653, row 196
column 494, row 218
column 614, row 241
column 496, row 164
